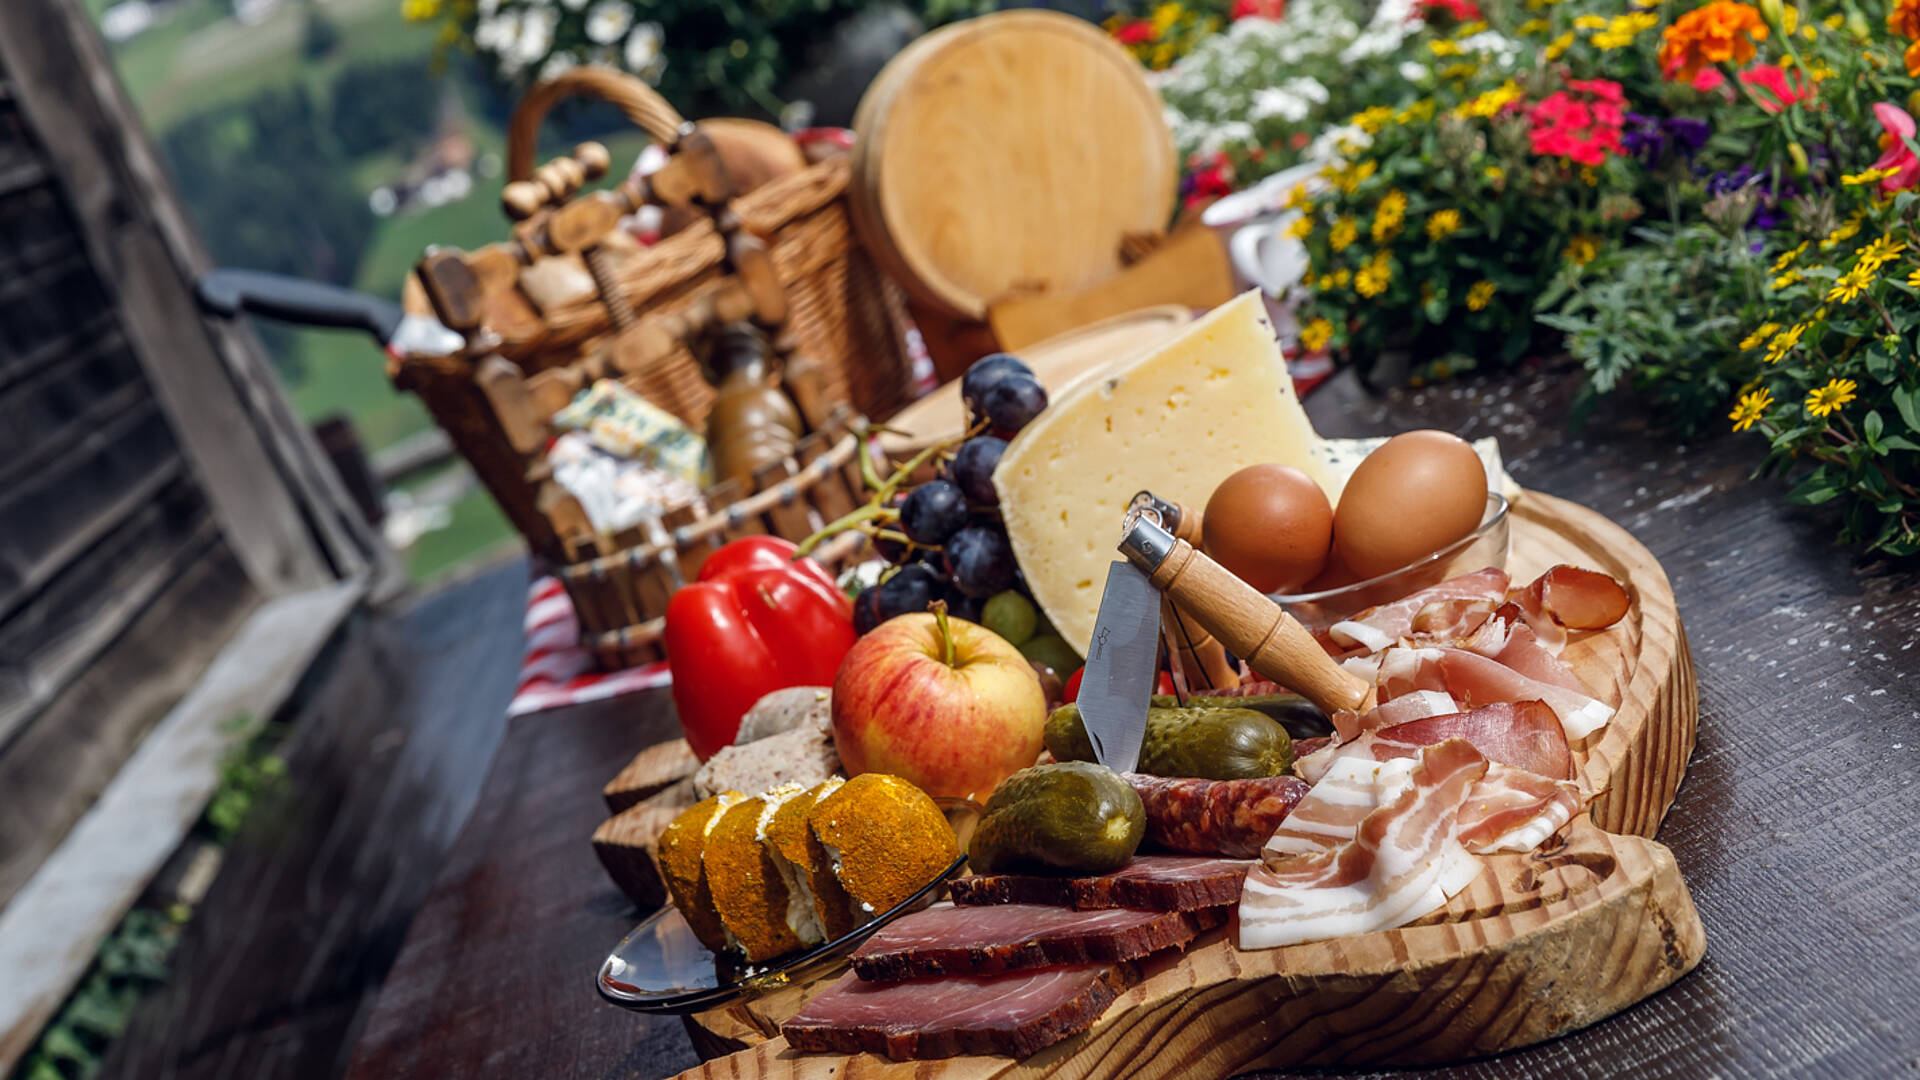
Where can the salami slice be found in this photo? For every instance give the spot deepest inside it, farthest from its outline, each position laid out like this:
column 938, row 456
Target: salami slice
column 1232, row 818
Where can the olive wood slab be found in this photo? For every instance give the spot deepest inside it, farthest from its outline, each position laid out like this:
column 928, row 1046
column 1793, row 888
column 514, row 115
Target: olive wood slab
column 1540, row 945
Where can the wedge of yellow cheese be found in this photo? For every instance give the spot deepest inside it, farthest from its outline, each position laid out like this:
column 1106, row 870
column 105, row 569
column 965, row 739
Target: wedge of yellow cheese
column 1175, row 421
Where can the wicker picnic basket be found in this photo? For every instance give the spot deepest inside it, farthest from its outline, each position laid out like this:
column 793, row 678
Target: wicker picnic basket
column 782, row 256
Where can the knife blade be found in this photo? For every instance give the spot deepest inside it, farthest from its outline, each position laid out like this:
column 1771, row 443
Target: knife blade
column 1118, row 682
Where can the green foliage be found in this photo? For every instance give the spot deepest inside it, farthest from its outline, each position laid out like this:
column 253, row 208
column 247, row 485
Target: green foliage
column 320, row 37
column 384, row 107
column 1662, row 315
column 249, row 771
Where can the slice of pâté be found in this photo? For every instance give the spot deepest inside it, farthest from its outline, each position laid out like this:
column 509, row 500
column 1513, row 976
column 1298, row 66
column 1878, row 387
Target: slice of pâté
column 681, row 847
column 886, row 838
column 746, row 886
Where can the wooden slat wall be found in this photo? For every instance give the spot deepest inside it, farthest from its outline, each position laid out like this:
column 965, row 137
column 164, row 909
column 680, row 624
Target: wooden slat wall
column 117, row 582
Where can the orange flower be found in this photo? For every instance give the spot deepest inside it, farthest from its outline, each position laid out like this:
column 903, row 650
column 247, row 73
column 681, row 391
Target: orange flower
column 1913, row 59
column 1720, row 32
column 1904, row 19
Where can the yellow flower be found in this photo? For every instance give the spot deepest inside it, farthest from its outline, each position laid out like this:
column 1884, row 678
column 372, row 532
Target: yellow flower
column 1466, row 69
column 1163, row 57
column 1468, row 29
column 1442, row 47
column 1164, row 16
column 1784, row 342
column 1442, row 224
column 1870, row 176
column 1913, row 279
column 1835, row 21
column 1752, row 406
column 1480, row 295
column 419, row 10
column 1496, row 174
column 1760, row 334
column 1531, row 27
column 1882, row 251
column 1786, row 258
column 1491, row 102
column 1851, row 284
column 1315, row 335
column 1298, row 199
column 1581, row 250
column 1590, row 22
column 1342, row 278
column 1589, row 176
column 1622, row 29
column 1559, row 46
column 1421, row 110
column 1823, row 400
column 1847, row 230
column 1791, row 277
column 1302, row 228
column 1344, row 233
column 1373, row 278
column 1372, row 120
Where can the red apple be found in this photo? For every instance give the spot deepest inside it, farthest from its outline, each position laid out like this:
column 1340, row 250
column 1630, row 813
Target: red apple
column 941, row 702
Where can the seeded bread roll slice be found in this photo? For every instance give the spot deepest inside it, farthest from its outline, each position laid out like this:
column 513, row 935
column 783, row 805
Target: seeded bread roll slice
column 746, row 886
column 885, row 839
column 681, row 850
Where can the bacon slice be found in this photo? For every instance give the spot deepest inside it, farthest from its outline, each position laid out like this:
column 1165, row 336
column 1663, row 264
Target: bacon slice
column 1475, row 680
column 1349, row 725
column 1514, row 645
column 1378, row 627
column 1333, row 808
column 1396, row 868
column 1515, row 810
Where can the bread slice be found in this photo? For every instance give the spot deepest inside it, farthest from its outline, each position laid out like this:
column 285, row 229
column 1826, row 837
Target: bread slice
column 628, row 842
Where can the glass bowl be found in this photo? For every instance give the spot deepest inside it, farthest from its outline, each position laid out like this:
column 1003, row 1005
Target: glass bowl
column 1483, row 547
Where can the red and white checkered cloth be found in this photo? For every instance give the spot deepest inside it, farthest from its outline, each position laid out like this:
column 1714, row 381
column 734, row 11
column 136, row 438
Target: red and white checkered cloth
column 557, row 671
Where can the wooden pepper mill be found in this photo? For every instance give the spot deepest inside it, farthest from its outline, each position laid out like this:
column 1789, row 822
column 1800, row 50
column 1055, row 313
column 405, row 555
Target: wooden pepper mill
column 1203, row 660
column 752, row 422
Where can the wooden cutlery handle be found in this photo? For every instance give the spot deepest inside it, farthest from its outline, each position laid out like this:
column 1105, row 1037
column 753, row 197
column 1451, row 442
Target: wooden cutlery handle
column 1202, row 658
column 1255, row 629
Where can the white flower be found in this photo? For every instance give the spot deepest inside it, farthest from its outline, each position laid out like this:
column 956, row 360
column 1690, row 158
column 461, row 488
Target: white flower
column 1413, row 70
column 558, row 64
column 1338, row 143
column 1489, row 43
column 486, row 9
column 495, row 33
column 1291, row 101
column 609, row 21
column 643, row 49
column 536, row 35
column 574, row 5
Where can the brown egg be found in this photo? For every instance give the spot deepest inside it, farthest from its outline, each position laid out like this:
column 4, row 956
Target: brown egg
column 1415, row 495
column 1270, row 525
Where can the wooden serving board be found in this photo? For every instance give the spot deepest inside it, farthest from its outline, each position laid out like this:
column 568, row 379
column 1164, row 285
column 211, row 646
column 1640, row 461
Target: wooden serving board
column 1538, row 946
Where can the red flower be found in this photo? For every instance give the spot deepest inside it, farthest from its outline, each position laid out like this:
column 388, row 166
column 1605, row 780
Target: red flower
column 1258, row 9
column 1898, row 156
column 1777, row 89
column 1457, row 10
column 1708, row 80
column 1137, row 32
column 1299, row 140
column 1583, row 129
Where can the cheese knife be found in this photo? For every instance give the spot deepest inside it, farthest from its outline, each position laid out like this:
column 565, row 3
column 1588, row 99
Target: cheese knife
column 1198, row 659
column 1246, row 622
column 1118, row 682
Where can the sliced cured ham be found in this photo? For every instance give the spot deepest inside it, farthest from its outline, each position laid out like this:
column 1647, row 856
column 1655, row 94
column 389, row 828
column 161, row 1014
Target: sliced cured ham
column 948, row 940
column 1513, row 644
column 1015, row 1014
column 1475, row 680
column 1515, row 810
column 1378, row 627
column 1349, row 725
column 1349, row 790
column 1570, row 598
column 1397, row 867
column 1147, row 882
column 1524, row 734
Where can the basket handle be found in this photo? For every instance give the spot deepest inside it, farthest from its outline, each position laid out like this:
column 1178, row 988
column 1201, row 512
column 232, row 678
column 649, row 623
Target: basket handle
column 646, row 108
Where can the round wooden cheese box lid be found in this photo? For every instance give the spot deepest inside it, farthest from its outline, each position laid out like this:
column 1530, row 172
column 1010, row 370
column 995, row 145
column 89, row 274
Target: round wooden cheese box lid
column 1060, row 363
column 1008, row 153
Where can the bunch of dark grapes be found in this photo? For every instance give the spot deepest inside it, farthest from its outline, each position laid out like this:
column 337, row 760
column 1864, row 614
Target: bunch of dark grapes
column 948, row 542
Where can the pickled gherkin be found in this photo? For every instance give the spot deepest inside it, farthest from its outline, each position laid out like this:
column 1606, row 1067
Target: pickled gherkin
column 1073, row 818
column 1212, row 743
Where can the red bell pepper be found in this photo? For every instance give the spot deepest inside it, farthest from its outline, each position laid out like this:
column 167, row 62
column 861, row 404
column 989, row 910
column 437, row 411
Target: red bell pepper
column 1161, row 685
column 756, row 621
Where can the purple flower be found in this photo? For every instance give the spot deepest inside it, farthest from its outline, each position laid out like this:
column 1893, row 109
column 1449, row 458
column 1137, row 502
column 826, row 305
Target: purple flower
column 1688, row 133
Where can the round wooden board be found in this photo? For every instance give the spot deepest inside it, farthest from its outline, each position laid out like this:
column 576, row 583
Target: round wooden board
column 1539, row 945
column 1008, row 153
column 1058, row 362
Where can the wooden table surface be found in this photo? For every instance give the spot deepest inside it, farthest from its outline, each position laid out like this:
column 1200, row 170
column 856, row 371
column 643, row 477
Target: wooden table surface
column 1795, row 827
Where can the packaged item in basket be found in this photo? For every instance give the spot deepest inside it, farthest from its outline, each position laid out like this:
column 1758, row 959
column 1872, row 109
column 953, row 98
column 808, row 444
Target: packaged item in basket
column 623, row 423
column 614, row 491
